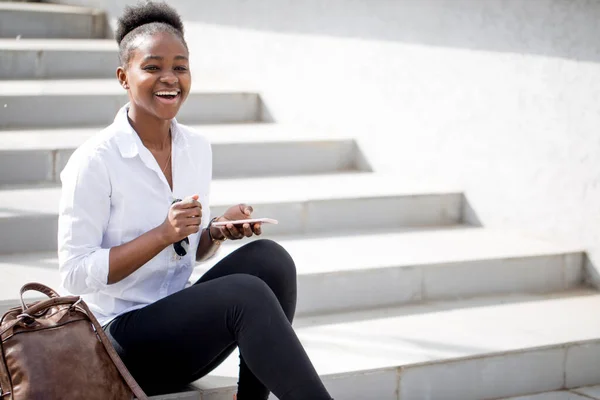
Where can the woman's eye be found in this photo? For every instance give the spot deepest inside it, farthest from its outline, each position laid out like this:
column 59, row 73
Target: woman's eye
column 150, row 68
column 181, row 68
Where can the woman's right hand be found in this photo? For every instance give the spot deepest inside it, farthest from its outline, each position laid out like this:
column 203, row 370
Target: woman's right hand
column 184, row 219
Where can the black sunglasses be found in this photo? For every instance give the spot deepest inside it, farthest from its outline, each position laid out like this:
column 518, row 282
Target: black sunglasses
column 181, row 247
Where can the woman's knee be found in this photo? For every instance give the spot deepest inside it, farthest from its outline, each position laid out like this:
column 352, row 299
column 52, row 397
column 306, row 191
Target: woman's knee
column 272, row 255
column 247, row 290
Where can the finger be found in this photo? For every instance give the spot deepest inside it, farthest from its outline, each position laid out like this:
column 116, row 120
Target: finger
column 187, row 213
column 257, row 228
column 246, row 209
column 189, row 202
column 223, row 232
column 191, row 229
column 180, row 205
column 196, row 203
column 235, row 233
column 247, row 230
column 193, row 221
column 193, row 212
column 227, row 233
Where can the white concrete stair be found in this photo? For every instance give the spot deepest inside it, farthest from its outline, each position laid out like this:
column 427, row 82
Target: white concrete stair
column 94, row 102
column 398, row 297
column 589, row 391
column 41, row 20
column 348, row 272
column 185, row 394
column 370, row 270
column 557, row 395
column 280, row 150
column 58, row 58
column 478, row 349
column 302, row 204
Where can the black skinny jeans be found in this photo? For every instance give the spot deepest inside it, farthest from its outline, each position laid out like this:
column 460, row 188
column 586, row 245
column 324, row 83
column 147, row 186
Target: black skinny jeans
column 248, row 300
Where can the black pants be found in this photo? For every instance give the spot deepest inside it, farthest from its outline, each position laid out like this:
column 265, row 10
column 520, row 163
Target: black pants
column 247, row 300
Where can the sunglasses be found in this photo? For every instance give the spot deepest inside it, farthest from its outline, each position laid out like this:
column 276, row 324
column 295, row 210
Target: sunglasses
column 181, row 247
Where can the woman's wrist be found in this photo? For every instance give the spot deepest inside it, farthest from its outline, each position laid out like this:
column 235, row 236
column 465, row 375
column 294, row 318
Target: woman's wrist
column 215, row 233
column 163, row 236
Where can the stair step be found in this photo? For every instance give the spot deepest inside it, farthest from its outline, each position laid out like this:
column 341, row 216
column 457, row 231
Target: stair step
column 344, row 272
column 42, row 20
column 302, row 204
column 589, row 391
column 485, row 348
column 185, row 395
column 281, row 150
column 559, row 395
column 380, row 269
column 58, row 58
column 94, row 102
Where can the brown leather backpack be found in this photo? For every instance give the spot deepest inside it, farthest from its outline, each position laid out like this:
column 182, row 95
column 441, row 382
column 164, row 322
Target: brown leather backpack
column 56, row 349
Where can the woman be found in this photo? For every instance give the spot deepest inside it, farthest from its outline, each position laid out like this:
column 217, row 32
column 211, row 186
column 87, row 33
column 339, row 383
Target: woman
column 117, row 249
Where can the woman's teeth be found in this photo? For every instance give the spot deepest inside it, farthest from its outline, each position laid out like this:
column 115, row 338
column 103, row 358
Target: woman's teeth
column 173, row 93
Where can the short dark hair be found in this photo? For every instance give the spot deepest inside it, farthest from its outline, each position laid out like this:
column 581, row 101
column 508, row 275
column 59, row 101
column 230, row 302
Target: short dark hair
column 146, row 19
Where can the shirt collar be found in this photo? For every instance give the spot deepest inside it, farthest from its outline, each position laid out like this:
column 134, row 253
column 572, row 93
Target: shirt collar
column 128, row 140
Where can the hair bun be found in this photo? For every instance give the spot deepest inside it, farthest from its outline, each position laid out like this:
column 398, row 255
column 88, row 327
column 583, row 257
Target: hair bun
column 146, row 13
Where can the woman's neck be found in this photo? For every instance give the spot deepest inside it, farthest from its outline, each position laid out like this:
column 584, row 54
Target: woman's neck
column 153, row 132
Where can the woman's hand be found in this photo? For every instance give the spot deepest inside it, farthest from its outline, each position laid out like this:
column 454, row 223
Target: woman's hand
column 234, row 213
column 184, row 219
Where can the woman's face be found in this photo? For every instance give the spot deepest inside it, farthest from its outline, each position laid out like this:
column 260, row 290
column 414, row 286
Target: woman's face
column 158, row 77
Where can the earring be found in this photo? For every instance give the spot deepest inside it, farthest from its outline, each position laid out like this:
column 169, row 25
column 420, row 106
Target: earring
column 125, row 86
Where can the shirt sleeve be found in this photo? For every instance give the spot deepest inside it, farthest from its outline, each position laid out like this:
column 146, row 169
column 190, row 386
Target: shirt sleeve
column 205, row 176
column 84, row 212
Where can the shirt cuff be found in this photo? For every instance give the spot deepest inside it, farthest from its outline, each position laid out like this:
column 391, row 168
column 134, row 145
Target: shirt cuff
column 97, row 269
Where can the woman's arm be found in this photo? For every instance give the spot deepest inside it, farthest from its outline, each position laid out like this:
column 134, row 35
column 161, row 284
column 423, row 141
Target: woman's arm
column 184, row 219
column 207, row 248
column 125, row 259
column 85, row 265
column 83, row 217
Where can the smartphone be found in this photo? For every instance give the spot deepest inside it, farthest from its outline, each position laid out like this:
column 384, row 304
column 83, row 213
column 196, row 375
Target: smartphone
column 246, row 221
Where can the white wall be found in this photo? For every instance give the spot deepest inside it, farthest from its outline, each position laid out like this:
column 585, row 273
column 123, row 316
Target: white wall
column 500, row 97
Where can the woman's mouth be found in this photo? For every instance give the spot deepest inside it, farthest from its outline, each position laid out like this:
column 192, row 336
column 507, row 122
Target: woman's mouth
column 168, row 96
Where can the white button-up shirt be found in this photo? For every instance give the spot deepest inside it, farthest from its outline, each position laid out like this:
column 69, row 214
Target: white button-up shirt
column 113, row 191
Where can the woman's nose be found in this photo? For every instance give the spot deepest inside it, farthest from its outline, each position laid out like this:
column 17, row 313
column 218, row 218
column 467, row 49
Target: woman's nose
column 169, row 78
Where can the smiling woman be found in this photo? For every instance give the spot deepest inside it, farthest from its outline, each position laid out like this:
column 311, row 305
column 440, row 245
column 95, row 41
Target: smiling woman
column 135, row 217
column 155, row 71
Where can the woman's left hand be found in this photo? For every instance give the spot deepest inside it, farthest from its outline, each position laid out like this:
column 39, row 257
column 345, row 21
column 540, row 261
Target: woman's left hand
column 234, row 232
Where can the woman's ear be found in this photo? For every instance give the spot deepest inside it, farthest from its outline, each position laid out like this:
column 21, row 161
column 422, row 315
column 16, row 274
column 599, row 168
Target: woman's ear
column 122, row 77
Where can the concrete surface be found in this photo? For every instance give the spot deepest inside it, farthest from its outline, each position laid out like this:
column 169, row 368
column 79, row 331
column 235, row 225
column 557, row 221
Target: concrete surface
column 482, row 352
column 185, row 395
column 589, row 391
column 76, row 103
column 302, row 204
column 282, row 151
column 57, row 59
column 578, row 370
column 562, row 395
column 407, row 267
column 383, row 269
column 39, row 20
column 496, row 96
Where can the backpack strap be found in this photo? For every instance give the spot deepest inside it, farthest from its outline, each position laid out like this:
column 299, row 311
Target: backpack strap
column 133, row 385
column 5, row 385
